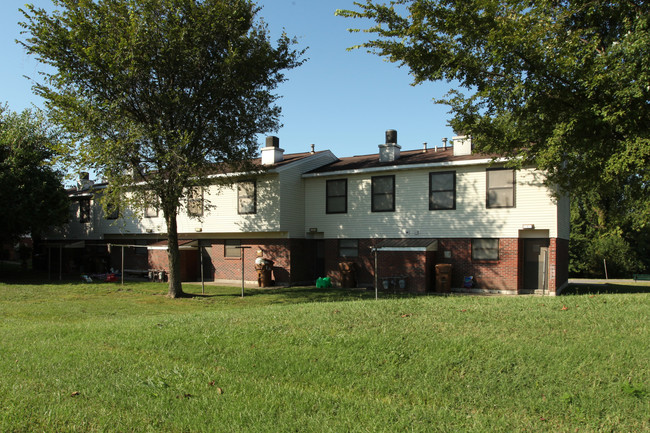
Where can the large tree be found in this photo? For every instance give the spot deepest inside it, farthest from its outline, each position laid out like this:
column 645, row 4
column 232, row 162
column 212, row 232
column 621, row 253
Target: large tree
column 159, row 93
column 31, row 189
column 562, row 85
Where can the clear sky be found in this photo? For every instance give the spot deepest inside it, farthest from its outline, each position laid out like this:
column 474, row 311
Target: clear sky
column 339, row 100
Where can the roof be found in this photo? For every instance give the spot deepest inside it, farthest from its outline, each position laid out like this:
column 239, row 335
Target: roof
column 409, row 157
column 183, row 244
column 226, row 169
column 407, row 245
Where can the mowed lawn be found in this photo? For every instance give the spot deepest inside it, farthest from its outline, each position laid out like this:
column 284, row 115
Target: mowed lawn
column 112, row 358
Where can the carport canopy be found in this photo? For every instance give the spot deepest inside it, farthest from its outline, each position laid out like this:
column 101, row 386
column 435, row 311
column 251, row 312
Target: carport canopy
column 183, row 244
column 407, row 245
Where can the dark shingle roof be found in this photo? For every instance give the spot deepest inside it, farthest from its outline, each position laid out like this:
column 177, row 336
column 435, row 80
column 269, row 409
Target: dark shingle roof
column 409, row 157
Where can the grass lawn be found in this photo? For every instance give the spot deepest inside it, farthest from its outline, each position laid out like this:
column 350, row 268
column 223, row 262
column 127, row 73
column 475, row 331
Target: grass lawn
column 111, row 358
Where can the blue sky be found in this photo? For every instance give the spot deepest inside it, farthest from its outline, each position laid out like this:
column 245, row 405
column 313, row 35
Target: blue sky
column 339, row 100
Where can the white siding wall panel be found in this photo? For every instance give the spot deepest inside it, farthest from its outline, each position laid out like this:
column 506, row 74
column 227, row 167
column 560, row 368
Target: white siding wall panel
column 412, row 217
column 280, row 208
column 292, row 192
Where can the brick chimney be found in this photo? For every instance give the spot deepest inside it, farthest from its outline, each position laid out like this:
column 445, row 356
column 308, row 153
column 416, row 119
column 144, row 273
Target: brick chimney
column 272, row 154
column 389, row 151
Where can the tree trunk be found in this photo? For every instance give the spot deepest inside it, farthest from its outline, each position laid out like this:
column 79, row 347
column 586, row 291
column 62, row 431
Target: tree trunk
column 174, row 257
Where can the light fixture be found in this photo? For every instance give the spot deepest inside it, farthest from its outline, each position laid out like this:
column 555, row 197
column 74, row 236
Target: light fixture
column 313, row 229
column 198, row 229
column 528, row 226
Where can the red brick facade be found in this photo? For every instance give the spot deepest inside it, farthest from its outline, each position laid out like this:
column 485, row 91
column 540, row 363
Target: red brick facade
column 296, row 262
column 504, row 274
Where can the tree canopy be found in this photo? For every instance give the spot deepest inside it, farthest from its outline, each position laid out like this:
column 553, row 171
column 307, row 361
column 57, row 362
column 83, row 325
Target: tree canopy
column 159, row 93
column 562, row 85
column 31, row 189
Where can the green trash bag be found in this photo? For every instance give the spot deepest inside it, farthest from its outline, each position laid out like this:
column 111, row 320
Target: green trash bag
column 323, row 283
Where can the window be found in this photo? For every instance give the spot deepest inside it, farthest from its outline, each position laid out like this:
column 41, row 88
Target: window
column 231, row 249
column 112, row 211
column 442, row 190
column 337, row 196
column 500, row 188
column 195, row 201
column 348, row 248
column 383, row 193
column 84, row 210
column 246, row 197
column 151, row 206
column 485, row 249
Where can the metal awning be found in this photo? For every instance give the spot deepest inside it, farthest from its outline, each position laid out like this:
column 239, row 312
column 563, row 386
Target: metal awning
column 407, row 245
column 78, row 244
column 184, row 244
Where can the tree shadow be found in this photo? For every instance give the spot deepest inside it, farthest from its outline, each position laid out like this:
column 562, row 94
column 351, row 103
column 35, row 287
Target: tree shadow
column 604, row 288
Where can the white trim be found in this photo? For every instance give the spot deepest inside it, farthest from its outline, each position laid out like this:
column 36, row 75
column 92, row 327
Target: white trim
column 407, row 249
column 407, row 167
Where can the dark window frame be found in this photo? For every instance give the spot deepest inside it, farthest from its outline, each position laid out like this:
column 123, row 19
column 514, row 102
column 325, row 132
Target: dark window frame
column 112, row 211
column 230, row 245
column 329, row 196
column 431, row 192
column 240, row 197
column 354, row 247
column 373, row 194
column 84, row 210
column 193, row 201
column 475, row 248
column 488, row 188
column 152, row 206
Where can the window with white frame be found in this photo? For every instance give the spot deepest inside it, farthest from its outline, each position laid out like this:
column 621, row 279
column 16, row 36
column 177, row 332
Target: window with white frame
column 247, row 197
column 442, row 190
column 485, row 249
column 500, row 188
column 337, row 196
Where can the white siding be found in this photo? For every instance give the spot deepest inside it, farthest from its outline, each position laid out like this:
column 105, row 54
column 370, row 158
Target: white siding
column 220, row 214
column 280, row 210
column 412, row 217
column 292, row 192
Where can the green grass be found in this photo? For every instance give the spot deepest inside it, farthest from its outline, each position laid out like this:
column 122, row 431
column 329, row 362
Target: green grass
column 107, row 358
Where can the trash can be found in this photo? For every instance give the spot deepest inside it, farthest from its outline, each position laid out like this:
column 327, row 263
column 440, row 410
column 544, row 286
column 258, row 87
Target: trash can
column 443, row 278
column 264, row 268
column 348, row 274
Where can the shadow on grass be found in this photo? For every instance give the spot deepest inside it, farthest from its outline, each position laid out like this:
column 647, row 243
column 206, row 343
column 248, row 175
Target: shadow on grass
column 289, row 295
column 603, row 288
column 311, row 293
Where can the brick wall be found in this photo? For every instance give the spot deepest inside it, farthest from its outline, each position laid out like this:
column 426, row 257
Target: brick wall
column 502, row 274
column 363, row 263
column 278, row 250
column 158, row 259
